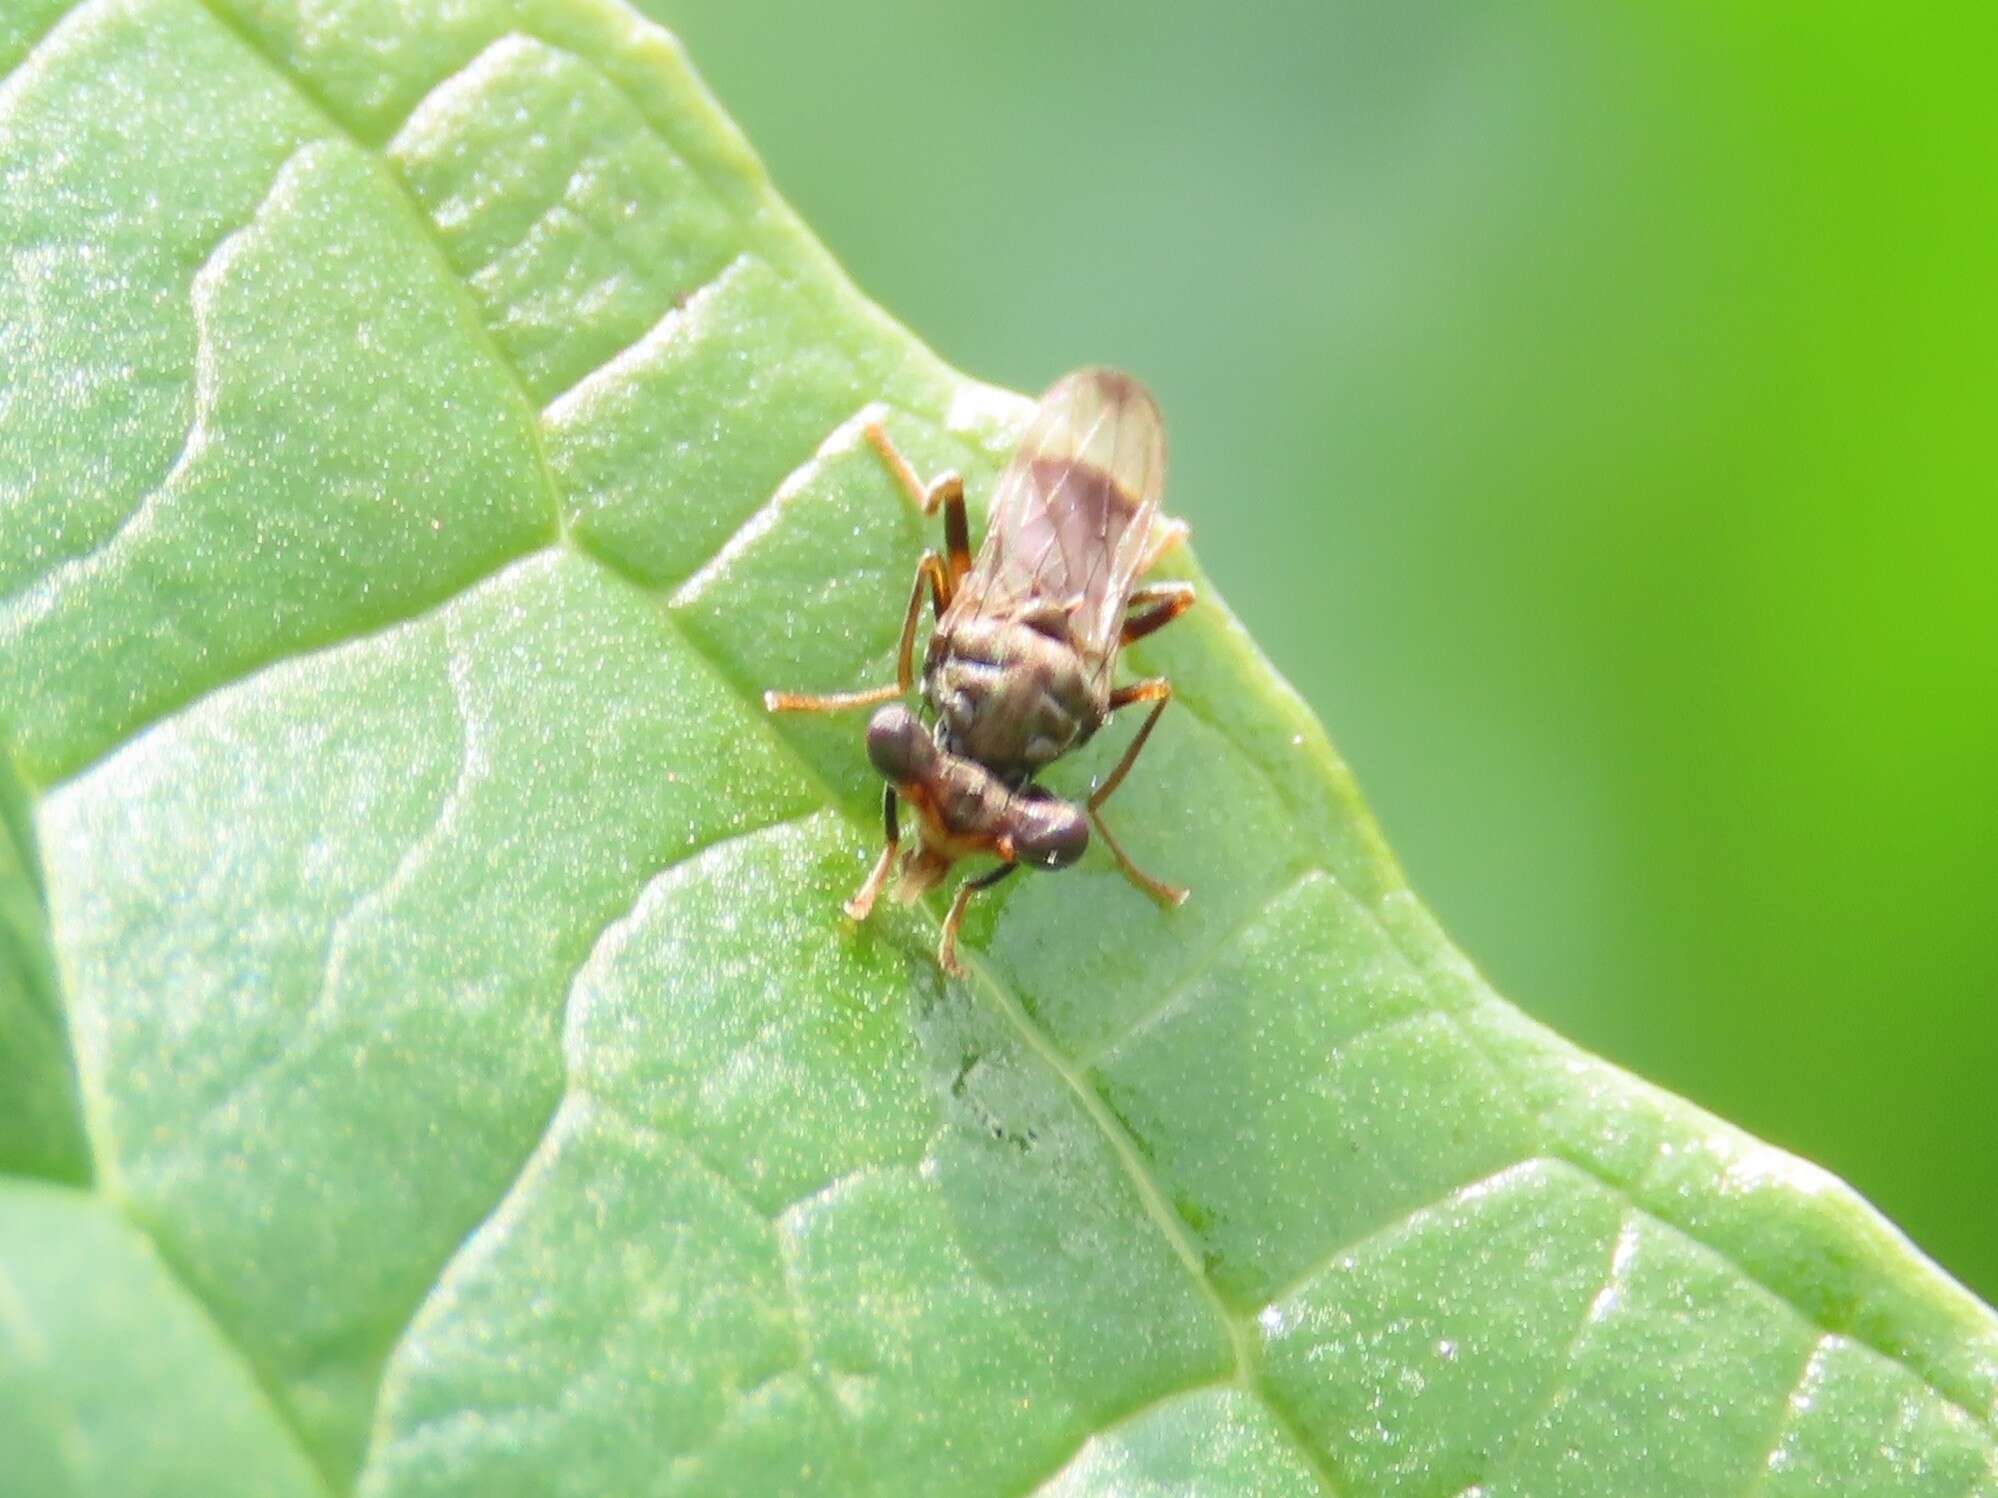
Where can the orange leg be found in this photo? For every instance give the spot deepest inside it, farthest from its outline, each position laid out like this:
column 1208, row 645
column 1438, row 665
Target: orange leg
column 1153, row 607
column 864, row 897
column 930, row 573
column 1172, row 896
column 945, row 492
column 947, row 946
column 1157, row 691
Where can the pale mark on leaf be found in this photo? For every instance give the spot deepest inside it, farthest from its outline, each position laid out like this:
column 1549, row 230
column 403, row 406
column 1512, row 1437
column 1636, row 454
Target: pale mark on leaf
column 1182, row 988
column 1273, row 1316
column 575, row 404
column 1797, row 1405
column 842, row 439
column 40, row 597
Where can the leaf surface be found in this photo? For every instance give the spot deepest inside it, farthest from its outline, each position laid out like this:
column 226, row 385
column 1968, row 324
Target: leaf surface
column 434, row 1051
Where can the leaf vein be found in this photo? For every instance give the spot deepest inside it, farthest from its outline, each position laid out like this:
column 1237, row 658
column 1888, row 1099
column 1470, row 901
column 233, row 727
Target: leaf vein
column 1621, row 1249
column 1119, row 1421
column 1786, row 1415
column 310, row 95
column 1424, row 966
column 1195, row 973
column 685, row 308
column 571, row 1089
column 305, row 650
column 36, row 598
column 842, row 438
column 342, row 928
column 1400, row 1222
column 281, row 1413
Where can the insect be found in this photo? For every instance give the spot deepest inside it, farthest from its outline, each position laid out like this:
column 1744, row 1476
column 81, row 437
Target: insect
column 1021, row 663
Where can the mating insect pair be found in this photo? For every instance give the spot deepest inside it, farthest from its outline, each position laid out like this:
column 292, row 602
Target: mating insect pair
column 1020, row 664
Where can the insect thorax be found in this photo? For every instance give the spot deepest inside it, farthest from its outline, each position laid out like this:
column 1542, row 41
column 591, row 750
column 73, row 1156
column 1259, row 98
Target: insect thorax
column 1010, row 696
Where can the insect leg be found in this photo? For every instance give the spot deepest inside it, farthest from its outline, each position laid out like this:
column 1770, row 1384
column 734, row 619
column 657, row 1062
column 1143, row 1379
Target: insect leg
column 1157, row 691
column 829, row 702
column 949, row 491
column 863, row 898
column 931, row 570
column 947, row 946
column 899, row 467
column 1169, row 895
column 928, row 571
column 1153, row 607
column 945, row 492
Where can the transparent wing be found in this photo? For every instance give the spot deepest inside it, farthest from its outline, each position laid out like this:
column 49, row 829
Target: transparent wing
column 1073, row 512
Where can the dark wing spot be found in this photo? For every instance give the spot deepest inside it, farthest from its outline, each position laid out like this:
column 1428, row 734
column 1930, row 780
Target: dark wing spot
column 1091, row 494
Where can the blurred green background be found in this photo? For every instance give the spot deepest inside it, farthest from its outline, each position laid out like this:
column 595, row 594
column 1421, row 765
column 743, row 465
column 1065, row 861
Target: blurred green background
column 1591, row 410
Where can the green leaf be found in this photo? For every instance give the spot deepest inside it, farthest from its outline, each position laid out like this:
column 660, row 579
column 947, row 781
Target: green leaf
column 435, row 1059
column 112, row 1378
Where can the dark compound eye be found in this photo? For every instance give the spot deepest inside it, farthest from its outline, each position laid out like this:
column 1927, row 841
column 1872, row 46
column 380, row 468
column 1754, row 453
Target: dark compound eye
column 898, row 744
column 1049, row 834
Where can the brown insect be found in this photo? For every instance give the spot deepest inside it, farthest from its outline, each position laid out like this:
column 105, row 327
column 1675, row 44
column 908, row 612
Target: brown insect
column 1020, row 666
